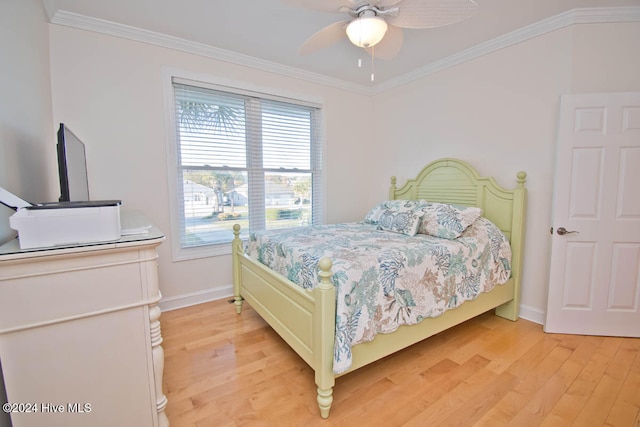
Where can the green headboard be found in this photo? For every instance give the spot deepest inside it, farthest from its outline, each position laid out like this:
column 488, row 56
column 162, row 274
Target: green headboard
column 456, row 182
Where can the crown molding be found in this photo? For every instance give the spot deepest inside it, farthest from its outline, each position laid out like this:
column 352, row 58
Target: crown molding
column 83, row 22
column 571, row 17
column 575, row 16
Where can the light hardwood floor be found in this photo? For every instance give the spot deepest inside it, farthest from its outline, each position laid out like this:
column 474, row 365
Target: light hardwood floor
column 223, row 369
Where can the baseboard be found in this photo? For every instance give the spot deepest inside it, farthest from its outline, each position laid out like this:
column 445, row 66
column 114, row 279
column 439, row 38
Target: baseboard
column 532, row 314
column 186, row 300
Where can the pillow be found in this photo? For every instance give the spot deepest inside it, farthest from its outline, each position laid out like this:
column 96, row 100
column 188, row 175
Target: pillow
column 399, row 204
column 374, row 214
column 405, row 220
column 447, row 221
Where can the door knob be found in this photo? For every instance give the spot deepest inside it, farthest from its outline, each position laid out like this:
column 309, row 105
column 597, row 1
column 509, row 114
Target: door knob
column 562, row 231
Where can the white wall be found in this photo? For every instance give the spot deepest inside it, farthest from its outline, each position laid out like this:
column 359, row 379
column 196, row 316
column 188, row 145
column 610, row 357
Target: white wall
column 110, row 91
column 606, row 58
column 499, row 113
column 27, row 136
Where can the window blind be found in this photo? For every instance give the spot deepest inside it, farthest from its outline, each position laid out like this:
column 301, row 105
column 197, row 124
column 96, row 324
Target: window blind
column 246, row 158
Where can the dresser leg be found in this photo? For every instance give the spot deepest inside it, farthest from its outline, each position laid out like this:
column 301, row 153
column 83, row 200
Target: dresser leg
column 158, row 364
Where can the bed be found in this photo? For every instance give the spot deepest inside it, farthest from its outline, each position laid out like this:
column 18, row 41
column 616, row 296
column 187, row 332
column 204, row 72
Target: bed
column 306, row 319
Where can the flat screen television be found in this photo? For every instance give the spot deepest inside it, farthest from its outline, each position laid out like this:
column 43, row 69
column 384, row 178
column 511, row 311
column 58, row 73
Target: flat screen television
column 72, row 167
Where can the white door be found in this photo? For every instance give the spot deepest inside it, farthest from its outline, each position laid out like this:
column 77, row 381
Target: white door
column 594, row 284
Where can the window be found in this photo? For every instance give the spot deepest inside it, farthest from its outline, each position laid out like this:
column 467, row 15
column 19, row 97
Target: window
column 245, row 158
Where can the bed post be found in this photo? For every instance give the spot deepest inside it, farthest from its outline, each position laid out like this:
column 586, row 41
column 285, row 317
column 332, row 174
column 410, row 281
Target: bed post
column 236, row 251
column 511, row 310
column 392, row 189
column 324, row 320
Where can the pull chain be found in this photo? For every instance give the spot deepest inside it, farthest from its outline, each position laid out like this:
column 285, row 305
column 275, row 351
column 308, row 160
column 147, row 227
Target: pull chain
column 372, row 64
column 373, row 77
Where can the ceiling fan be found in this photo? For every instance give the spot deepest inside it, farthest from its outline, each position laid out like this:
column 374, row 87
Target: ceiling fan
column 376, row 25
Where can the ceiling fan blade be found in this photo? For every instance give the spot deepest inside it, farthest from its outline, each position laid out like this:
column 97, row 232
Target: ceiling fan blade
column 324, row 38
column 390, row 45
column 320, row 5
column 385, row 3
column 432, row 13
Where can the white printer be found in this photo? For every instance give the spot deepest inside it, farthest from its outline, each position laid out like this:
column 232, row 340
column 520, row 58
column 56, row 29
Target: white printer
column 67, row 223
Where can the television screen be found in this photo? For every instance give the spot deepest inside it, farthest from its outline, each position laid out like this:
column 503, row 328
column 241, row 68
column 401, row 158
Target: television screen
column 72, row 167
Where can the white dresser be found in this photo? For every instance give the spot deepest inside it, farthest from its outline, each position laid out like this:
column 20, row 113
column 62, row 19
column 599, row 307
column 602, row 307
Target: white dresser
column 80, row 334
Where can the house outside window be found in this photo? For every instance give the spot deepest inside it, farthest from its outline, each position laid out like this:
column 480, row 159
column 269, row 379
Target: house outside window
column 243, row 158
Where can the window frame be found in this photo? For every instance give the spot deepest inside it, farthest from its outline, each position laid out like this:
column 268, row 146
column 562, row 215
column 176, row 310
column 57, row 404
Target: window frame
column 180, row 253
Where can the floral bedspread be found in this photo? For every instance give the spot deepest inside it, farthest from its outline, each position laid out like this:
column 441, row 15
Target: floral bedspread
column 386, row 279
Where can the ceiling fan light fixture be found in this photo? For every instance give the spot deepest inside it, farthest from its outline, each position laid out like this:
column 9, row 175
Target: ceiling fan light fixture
column 366, row 31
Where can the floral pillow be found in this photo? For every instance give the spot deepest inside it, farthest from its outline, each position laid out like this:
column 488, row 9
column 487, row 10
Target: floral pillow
column 403, row 219
column 399, row 204
column 373, row 216
column 447, row 221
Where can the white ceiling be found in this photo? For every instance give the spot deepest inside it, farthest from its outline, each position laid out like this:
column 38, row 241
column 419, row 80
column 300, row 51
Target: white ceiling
column 271, row 31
